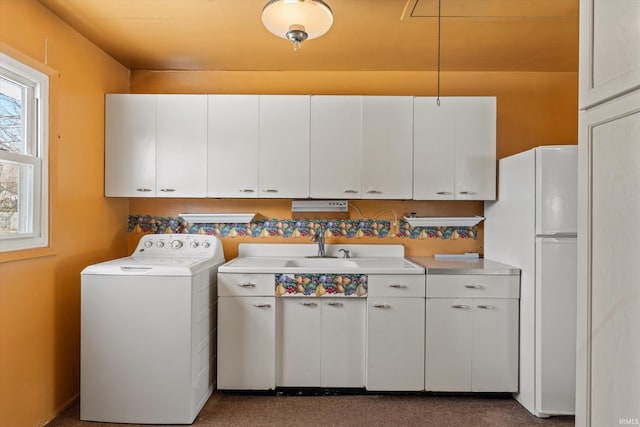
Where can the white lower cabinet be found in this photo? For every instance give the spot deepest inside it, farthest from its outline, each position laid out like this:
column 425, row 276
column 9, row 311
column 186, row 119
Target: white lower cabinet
column 246, row 343
column 395, row 344
column 320, row 342
column 246, row 332
column 471, row 344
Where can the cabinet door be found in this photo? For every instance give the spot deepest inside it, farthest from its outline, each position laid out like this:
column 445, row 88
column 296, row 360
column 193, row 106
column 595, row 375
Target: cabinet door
column 284, row 146
column 342, row 347
column 448, row 344
column 387, row 144
column 298, row 347
column 233, row 146
column 130, row 145
column 395, row 344
column 336, row 147
column 433, row 148
column 475, row 148
column 181, row 146
column 494, row 364
column 246, row 343
column 609, row 60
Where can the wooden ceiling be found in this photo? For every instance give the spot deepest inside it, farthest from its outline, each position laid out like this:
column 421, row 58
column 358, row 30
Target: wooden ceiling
column 367, row 35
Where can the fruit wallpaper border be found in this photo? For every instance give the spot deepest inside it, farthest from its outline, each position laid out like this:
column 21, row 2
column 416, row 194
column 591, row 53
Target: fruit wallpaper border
column 294, row 228
column 321, row 285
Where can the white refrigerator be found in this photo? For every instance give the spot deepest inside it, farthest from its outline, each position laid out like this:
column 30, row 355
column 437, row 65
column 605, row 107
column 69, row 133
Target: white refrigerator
column 532, row 226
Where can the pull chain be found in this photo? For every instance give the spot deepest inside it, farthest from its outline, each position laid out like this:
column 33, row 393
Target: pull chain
column 439, row 17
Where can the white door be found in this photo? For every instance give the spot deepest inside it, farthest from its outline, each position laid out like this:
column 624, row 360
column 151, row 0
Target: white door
column 556, row 288
column 130, row 145
column 395, row 344
column 246, row 343
column 494, row 362
column 181, row 146
column 284, row 146
column 433, row 149
column 233, row 146
column 448, row 348
column 475, row 148
column 608, row 269
column 343, row 336
column 387, row 144
column 556, row 190
column 336, row 147
column 298, row 347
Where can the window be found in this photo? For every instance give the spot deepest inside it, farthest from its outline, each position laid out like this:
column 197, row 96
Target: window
column 23, row 156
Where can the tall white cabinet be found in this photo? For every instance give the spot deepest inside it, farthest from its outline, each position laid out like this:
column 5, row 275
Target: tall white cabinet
column 608, row 367
column 454, row 148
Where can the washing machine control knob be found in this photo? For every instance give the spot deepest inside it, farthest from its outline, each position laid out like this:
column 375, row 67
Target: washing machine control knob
column 194, row 244
column 160, row 244
column 148, row 244
column 176, row 244
column 206, row 245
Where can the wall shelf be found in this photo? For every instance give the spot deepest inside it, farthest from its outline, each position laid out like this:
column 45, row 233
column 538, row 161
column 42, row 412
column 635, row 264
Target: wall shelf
column 444, row 221
column 225, row 218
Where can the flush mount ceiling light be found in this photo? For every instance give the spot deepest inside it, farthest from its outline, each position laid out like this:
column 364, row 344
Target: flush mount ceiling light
column 297, row 20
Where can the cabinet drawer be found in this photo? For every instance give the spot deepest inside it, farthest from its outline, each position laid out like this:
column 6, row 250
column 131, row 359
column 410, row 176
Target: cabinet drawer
column 239, row 285
column 473, row 286
column 396, row 285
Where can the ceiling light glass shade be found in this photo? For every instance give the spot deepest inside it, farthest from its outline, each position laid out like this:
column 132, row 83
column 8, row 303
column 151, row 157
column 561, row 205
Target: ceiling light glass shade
column 297, row 20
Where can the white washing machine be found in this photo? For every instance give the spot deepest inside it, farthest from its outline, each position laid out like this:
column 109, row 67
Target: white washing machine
column 147, row 332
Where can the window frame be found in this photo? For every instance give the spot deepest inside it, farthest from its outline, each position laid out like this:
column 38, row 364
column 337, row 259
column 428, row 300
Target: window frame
column 35, row 210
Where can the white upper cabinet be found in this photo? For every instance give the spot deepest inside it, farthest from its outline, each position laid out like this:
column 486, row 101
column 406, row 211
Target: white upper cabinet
column 156, row 145
column 336, row 147
column 130, row 145
column 181, row 146
column 233, row 146
column 284, row 146
column 387, row 143
column 609, row 49
column 454, row 155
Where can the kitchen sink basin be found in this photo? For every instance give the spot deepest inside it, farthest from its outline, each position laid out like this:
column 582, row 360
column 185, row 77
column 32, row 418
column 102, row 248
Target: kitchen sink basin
column 321, row 262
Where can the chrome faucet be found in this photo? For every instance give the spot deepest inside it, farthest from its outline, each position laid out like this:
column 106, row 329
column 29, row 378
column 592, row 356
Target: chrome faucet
column 319, row 238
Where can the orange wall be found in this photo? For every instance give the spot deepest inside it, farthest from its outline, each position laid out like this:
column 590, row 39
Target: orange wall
column 534, row 108
column 40, row 297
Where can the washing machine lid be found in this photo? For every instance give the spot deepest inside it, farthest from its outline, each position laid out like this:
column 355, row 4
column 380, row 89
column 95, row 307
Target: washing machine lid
column 165, row 255
column 152, row 266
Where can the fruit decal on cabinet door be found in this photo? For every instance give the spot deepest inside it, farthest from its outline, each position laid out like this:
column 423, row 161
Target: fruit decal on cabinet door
column 318, row 285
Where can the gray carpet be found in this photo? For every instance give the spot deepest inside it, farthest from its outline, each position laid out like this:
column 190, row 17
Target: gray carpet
column 351, row 410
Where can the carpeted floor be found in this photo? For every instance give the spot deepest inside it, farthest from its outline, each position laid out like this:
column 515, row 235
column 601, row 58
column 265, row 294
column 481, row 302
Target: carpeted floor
column 351, row 410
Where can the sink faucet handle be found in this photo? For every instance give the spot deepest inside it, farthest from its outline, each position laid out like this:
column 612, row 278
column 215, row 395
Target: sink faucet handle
column 345, row 253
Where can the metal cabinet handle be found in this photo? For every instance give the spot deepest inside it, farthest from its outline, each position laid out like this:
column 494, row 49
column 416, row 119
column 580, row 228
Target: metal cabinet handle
column 444, row 193
column 269, row 190
column 247, row 285
column 167, row 190
column 463, row 306
column 381, row 306
column 309, row 304
column 468, row 193
column 487, row 306
column 144, row 190
column 246, row 190
column 397, row 285
column 262, row 305
column 374, row 192
column 350, row 191
column 335, row 304
column 476, row 286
